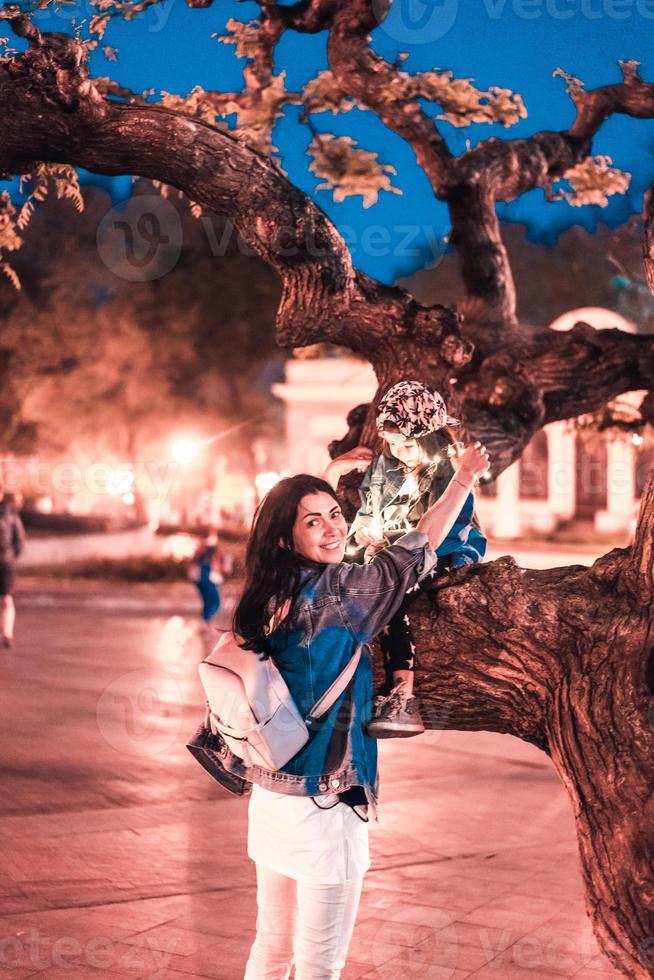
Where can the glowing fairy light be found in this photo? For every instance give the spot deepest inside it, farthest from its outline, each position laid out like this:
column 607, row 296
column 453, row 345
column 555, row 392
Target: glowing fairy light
column 376, row 528
column 410, row 486
column 637, row 439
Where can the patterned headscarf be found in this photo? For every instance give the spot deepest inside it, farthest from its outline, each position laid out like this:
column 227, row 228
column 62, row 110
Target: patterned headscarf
column 413, row 409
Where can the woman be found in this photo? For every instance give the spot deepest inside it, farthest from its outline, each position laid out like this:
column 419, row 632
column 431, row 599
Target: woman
column 309, row 610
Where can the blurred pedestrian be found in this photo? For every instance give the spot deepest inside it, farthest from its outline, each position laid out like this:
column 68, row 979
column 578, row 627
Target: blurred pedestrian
column 206, row 571
column 12, row 538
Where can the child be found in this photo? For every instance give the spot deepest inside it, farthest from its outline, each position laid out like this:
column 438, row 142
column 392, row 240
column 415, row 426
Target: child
column 399, row 485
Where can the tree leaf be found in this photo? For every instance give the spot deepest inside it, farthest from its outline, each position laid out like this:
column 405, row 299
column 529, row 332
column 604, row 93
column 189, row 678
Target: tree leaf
column 348, row 171
column 593, row 181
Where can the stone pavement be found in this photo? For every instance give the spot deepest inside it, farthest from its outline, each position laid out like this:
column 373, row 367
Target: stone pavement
column 122, row 858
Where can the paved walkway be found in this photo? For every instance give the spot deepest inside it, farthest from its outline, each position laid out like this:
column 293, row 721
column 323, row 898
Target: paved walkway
column 121, row 858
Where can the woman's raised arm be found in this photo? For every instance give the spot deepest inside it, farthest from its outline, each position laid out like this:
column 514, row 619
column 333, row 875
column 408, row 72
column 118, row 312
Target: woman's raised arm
column 437, row 521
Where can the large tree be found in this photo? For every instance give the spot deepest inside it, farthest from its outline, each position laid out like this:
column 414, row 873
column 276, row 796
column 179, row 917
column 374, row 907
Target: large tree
column 561, row 658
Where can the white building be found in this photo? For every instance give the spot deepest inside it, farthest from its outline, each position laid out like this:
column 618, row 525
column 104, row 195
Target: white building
column 561, row 477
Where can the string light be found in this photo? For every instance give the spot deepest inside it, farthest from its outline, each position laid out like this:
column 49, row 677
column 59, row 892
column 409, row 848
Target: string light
column 394, row 517
column 637, row 439
column 410, row 485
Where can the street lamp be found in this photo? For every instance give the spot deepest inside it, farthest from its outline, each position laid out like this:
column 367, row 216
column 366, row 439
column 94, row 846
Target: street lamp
column 184, row 451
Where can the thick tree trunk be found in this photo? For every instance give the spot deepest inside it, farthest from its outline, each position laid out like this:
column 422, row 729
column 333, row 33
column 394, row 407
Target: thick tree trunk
column 560, row 658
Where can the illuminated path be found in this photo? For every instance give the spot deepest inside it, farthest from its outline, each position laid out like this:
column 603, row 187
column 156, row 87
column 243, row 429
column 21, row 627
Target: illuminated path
column 121, row 857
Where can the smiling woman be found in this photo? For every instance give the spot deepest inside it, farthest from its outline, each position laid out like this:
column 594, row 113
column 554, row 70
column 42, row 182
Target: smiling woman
column 313, row 614
column 320, row 530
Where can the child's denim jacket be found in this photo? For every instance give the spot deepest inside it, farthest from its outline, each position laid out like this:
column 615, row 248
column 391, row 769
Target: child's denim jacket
column 340, row 608
column 382, row 485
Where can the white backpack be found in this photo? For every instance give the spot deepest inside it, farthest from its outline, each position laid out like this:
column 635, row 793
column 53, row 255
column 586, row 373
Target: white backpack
column 251, row 708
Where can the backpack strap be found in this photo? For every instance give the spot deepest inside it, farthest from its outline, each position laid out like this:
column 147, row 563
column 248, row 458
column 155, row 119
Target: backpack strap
column 334, row 691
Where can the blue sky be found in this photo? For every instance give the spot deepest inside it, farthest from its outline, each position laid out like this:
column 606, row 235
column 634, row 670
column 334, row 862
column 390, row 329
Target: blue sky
column 515, row 44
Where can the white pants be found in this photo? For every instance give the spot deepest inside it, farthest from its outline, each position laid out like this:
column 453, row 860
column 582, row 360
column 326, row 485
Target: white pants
column 302, row 922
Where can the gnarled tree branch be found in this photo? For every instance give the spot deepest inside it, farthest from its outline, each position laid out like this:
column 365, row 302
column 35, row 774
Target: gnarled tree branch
column 54, row 112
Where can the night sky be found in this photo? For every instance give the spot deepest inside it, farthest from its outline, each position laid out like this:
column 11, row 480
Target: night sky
column 515, row 44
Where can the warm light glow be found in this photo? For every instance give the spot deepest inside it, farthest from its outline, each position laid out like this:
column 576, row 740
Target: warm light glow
column 637, row 439
column 266, row 481
column 119, row 482
column 376, row 529
column 410, row 485
column 184, row 451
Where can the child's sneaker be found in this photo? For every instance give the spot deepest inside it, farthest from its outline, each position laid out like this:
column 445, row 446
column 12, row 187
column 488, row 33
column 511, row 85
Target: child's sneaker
column 396, row 715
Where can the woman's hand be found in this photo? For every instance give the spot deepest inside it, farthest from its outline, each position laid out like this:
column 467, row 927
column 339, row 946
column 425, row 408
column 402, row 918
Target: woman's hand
column 473, row 463
column 439, row 518
column 374, row 549
column 358, row 458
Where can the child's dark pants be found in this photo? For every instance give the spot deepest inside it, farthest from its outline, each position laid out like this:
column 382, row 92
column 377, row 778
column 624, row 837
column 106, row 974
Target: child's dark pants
column 396, row 641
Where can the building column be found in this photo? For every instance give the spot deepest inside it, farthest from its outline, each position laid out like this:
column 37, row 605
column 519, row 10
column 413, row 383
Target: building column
column 620, row 512
column 506, row 510
column 561, row 470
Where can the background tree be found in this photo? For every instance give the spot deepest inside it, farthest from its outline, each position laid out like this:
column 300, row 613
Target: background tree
column 107, row 366
column 603, row 268
column 571, row 669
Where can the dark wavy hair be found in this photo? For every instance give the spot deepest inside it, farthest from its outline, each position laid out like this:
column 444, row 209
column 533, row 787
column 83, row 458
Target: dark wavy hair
column 273, row 569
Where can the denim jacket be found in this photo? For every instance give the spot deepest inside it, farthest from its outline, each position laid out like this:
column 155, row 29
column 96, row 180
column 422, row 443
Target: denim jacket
column 340, row 607
column 381, row 487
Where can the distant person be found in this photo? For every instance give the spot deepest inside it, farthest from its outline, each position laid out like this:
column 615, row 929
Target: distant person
column 12, row 538
column 206, row 571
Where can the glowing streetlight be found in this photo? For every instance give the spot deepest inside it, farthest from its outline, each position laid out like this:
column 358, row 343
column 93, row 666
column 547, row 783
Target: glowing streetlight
column 266, row 481
column 184, row 451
